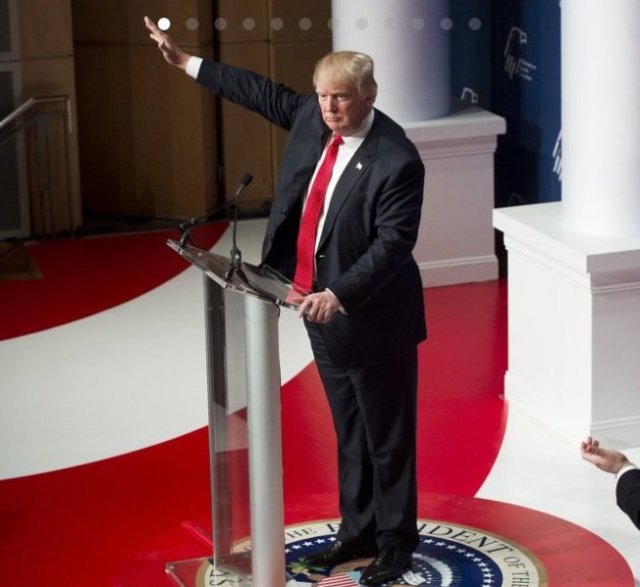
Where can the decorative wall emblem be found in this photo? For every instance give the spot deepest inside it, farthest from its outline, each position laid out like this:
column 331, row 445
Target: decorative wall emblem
column 469, row 95
column 514, row 64
column 557, row 156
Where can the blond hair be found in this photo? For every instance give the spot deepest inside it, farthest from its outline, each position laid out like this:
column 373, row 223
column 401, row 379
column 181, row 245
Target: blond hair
column 348, row 66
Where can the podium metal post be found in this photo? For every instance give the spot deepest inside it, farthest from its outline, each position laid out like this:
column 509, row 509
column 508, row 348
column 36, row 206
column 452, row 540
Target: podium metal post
column 265, row 442
column 248, row 537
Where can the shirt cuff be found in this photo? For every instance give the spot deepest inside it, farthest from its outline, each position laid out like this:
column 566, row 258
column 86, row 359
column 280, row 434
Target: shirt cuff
column 625, row 469
column 193, row 66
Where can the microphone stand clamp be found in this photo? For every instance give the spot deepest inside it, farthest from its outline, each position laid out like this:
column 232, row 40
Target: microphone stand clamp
column 236, row 263
column 185, row 238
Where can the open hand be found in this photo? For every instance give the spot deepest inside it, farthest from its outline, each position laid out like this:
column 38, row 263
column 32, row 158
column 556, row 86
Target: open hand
column 170, row 51
column 608, row 460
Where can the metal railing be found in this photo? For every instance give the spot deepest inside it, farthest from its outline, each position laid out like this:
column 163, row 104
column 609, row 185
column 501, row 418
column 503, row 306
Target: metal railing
column 37, row 128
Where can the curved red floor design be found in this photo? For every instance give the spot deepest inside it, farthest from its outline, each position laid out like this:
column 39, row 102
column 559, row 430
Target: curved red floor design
column 117, row 522
column 570, row 554
column 81, row 277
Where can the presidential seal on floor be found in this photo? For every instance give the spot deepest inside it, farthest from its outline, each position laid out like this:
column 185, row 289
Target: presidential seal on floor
column 449, row 555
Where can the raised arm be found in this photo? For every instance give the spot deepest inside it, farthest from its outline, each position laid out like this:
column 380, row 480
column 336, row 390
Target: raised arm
column 170, row 50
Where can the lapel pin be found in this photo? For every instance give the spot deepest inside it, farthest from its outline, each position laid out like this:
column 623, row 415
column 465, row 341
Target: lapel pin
column 358, row 166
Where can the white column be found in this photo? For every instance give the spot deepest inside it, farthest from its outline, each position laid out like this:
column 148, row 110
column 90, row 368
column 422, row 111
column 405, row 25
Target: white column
column 574, row 266
column 409, row 46
column 601, row 116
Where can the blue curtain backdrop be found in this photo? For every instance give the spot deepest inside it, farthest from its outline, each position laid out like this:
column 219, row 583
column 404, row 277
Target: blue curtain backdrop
column 505, row 57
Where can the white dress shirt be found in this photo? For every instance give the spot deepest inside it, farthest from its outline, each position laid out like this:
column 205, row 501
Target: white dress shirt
column 345, row 153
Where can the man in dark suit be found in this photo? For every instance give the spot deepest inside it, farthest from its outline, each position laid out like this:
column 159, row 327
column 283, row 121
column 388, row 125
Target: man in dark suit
column 627, row 475
column 362, row 299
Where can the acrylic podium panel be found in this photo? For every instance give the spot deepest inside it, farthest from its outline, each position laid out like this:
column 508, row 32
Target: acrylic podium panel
column 241, row 314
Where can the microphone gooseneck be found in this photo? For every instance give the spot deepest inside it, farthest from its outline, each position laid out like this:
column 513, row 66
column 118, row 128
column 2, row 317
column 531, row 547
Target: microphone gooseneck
column 236, row 255
column 186, row 226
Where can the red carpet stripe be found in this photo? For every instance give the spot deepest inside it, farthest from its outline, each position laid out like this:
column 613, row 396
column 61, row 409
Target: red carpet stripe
column 85, row 276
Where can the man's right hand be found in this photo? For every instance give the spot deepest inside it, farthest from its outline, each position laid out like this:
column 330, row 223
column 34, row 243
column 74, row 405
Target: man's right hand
column 170, row 51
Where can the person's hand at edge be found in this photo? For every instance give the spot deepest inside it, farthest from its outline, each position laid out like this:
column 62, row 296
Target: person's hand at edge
column 605, row 459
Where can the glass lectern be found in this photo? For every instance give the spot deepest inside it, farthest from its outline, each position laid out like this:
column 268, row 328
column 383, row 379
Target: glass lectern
column 242, row 304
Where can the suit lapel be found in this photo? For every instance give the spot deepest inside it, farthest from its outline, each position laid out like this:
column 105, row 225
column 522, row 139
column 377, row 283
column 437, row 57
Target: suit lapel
column 358, row 165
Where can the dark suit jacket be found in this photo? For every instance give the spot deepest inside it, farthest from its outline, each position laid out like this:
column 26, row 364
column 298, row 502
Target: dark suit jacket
column 364, row 255
column 628, row 495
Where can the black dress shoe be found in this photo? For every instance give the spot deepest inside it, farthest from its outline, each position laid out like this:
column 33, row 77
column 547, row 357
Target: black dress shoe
column 390, row 564
column 341, row 552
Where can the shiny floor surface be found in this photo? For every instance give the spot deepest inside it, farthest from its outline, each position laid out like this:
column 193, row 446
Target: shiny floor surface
column 104, row 453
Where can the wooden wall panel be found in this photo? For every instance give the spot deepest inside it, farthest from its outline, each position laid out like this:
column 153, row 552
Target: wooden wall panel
column 173, row 138
column 184, row 16
column 45, row 28
column 105, row 123
column 246, row 136
column 96, row 22
column 121, row 22
column 151, row 152
column 146, row 145
column 241, row 21
column 299, row 20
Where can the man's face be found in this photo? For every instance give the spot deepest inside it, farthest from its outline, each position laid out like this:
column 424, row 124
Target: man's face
column 343, row 109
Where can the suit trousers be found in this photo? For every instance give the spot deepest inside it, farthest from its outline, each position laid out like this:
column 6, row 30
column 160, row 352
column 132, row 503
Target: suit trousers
column 374, row 411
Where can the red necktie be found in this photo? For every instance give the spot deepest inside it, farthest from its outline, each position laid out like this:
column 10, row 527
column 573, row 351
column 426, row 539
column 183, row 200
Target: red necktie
column 305, row 267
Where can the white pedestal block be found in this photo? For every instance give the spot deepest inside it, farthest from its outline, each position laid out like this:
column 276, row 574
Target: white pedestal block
column 456, row 240
column 574, row 325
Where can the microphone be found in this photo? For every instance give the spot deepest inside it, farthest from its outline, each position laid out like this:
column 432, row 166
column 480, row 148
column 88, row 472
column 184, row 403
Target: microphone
column 186, row 226
column 236, row 255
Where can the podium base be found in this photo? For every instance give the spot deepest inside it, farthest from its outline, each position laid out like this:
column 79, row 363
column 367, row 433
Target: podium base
column 201, row 572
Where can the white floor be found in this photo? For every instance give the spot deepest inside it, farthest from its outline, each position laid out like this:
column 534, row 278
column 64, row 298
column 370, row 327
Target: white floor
column 539, row 469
